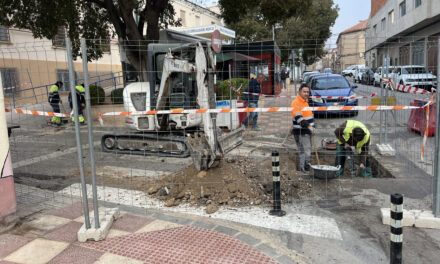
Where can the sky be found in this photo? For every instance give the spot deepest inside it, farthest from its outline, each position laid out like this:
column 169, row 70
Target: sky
column 350, row 13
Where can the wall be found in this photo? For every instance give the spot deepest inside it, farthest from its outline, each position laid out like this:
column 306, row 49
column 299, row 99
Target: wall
column 36, row 63
column 350, row 46
column 8, row 202
column 191, row 10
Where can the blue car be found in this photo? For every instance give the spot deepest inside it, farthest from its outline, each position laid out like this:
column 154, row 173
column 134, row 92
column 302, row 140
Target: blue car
column 332, row 85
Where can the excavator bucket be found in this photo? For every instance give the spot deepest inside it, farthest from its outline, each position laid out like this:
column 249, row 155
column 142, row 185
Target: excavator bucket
column 200, row 150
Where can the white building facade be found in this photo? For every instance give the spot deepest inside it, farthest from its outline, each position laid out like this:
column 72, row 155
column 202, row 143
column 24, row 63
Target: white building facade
column 407, row 31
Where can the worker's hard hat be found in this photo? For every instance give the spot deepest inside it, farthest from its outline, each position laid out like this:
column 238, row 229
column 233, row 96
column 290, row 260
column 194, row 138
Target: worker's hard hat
column 253, row 76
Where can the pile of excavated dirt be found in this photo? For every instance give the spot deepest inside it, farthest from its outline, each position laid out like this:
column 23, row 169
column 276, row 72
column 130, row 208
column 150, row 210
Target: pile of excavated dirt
column 235, row 182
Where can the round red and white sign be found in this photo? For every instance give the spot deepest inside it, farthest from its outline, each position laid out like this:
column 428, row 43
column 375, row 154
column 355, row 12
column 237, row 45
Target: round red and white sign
column 216, row 41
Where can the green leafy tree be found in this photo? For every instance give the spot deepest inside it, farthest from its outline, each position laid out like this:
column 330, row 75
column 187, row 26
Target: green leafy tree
column 94, row 20
column 299, row 24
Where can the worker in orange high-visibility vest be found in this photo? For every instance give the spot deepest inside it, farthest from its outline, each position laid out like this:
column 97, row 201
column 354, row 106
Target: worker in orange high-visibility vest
column 303, row 128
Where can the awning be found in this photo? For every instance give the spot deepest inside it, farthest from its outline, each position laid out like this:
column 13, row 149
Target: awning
column 221, row 57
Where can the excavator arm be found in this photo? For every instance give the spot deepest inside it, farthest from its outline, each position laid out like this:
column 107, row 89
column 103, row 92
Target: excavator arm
column 203, row 146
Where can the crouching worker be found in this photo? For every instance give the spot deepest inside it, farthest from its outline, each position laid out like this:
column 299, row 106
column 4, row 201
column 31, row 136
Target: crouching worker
column 81, row 101
column 353, row 133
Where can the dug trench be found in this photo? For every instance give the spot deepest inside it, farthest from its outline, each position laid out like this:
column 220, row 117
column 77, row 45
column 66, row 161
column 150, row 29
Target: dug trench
column 237, row 181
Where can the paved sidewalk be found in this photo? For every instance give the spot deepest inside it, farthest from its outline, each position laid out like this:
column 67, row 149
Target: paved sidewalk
column 50, row 236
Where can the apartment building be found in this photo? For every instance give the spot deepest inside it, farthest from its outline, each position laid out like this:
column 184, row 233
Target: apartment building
column 200, row 21
column 407, row 31
column 26, row 62
column 351, row 46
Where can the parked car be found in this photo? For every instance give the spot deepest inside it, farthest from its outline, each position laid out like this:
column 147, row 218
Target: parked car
column 381, row 73
column 328, row 70
column 304, row 73
column 414, row 75
column 332, row 85
column 349, row 71
column 360, row 69
column 368, row 76
column 307, row 74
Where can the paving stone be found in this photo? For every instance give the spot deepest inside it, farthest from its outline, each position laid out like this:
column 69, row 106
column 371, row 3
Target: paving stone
column 48, row 222
column 267, row 250
column 158, row 225
column 226, row 230
column 285, row 260
column 186, row 244
column 112, row 258
column 6, row 262
column 72, row 211
column 38, row 251
column 9, row 243
column 247, row 239
column 177, row 220
column 67, row 233
column 203, row 225
column 76, row 255
column 131, row 223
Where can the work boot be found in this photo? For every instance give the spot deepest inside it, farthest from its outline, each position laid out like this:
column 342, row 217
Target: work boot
column 307, row 166
column 256, row 129
column 367, row 172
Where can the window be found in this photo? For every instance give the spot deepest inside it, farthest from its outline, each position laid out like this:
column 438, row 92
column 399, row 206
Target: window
column 382, row 24
column 182, row 16
column 417, row 3
column 9, row 80
column 391, row 17
column 4, row 33
column 104, row 44
column 63, row 76
column 60, row 38
column 402, row 8
column 418, row 52
column 375, row 29
column 197, row 21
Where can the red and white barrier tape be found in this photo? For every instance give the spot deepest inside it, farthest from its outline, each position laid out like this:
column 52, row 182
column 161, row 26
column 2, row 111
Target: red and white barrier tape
column 410, row 89
column 407, row 89
column 260, row 110
column 425, row 136
column 34, row 112
column 314, row 97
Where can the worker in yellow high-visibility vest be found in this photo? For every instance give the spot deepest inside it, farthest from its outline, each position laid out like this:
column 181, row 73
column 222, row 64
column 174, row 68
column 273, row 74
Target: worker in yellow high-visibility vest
column 54, row 101
column 80, row 99
column 355, row 134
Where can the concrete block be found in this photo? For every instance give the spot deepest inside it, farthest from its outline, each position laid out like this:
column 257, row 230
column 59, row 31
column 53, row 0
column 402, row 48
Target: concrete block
column 409, row 217
column 426, row 219
column 385, row 150
column 106, row 219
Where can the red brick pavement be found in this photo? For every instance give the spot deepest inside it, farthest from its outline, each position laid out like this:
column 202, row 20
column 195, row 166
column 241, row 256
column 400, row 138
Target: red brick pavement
column 76, row 255
column 181, row 245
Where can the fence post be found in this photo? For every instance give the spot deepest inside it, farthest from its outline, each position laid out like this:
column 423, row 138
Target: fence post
column 77, row 133
column 276, row 185
column 436, row 192
column 396, row 220
column 90, row 131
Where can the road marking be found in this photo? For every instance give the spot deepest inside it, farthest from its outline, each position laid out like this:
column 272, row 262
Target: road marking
column 121, row 171
column 311, row 225
column 53, row 155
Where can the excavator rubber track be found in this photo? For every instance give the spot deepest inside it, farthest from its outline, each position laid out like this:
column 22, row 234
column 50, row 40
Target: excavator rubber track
column 146, row 144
